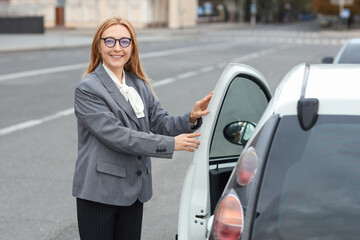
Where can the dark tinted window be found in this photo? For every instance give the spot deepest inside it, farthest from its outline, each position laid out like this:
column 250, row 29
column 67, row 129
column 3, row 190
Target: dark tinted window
column 351, row 54
column 310, row 188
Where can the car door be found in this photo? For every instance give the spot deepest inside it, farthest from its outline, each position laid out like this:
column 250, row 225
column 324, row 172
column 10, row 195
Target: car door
column 241, row 94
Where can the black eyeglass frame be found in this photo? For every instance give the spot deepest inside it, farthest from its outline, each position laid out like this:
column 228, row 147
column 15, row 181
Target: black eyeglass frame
column 130, row 40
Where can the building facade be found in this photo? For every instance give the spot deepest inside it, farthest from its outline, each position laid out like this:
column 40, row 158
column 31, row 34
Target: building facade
column 90, row 13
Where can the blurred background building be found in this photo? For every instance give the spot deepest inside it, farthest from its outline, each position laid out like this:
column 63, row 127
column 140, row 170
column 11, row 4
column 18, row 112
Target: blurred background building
column 89, row 13
column 79, row 14
column 328, row 12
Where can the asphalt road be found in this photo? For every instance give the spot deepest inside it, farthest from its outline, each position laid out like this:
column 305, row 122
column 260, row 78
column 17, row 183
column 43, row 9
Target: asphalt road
column 38, row 129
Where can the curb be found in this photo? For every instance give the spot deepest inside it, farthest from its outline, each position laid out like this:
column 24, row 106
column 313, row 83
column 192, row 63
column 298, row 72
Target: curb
column 38, row 48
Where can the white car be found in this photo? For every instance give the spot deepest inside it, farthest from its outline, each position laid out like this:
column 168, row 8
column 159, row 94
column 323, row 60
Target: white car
column 294, row 175
column 348, row 53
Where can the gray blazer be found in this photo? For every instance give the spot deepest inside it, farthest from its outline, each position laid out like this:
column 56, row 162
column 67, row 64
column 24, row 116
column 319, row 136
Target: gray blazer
column 114, row 146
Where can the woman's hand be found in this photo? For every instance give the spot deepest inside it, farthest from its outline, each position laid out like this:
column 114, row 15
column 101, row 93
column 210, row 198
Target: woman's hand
column 200, row 108
column 187, row 142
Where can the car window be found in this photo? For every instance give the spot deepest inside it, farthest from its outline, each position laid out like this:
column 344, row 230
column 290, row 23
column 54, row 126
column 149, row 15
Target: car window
column 351, row 54
column 244, row 101
column 310, row 188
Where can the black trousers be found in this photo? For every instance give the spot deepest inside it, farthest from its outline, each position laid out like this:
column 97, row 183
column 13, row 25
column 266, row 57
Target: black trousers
column 97, row 221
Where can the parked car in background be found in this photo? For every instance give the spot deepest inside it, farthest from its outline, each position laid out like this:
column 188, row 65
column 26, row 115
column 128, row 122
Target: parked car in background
column 349, row 53
column 327, row 21
column 284, row 169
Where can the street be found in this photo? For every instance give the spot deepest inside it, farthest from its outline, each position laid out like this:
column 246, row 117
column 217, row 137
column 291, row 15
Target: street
column 38, row 141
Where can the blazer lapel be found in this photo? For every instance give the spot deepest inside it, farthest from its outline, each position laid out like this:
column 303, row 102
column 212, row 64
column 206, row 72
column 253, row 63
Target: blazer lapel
column 115, row 93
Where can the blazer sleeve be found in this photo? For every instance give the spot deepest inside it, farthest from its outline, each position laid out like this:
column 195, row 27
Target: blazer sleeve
column 163, row 123
column 94, row 114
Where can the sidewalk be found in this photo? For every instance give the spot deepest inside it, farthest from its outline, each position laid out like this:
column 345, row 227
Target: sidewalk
column 67, row 38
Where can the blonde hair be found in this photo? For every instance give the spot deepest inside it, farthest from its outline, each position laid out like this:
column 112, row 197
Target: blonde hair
column 133, row 65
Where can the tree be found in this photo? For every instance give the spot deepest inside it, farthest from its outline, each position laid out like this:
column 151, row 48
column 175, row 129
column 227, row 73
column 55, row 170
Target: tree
column 325, row 7
column 283, row 10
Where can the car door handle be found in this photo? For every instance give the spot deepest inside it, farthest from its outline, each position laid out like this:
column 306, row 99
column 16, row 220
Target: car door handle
column 201, row 216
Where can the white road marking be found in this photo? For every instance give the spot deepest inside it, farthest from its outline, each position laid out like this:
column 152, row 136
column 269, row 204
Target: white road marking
column 67, row 112
column 188, row 74
column 299, row 41
column 7, row 77
column 163, row 82
column 31, row 73
column 206, row 69
column 32, row 123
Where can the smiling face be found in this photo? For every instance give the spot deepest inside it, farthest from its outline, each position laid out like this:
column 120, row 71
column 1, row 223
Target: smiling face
column 116, row 57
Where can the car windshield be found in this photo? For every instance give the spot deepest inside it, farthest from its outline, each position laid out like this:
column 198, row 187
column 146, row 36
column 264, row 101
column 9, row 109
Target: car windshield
column 351, row 54
column 310, row 188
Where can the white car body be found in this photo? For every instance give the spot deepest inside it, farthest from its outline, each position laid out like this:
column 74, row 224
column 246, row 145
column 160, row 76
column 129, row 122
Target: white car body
column 335, row 86
column 195, row 199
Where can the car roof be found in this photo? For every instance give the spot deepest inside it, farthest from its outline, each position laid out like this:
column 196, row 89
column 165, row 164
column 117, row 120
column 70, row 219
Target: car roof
column 336, row 86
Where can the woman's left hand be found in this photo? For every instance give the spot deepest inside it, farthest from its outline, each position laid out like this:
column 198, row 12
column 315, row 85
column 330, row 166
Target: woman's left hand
column 200, row 108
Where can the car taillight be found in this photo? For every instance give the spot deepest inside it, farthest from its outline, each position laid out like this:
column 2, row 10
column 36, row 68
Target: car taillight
column 246, row 167
column 228, row 224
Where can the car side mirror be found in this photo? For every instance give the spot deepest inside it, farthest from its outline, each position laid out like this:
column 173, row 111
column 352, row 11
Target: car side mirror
column 239, row 132
column 328, row 60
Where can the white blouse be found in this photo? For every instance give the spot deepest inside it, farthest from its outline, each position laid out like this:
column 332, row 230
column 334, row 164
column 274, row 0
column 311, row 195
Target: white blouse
column 130, row 94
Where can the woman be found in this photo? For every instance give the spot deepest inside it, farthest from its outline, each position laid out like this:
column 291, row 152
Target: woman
column 116, row 110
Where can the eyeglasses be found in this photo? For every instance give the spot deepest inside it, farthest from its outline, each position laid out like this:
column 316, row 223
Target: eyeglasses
column 111, row 42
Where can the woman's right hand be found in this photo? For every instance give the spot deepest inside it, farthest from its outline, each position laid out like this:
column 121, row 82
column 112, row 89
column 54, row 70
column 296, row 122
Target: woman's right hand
column 187, row 142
